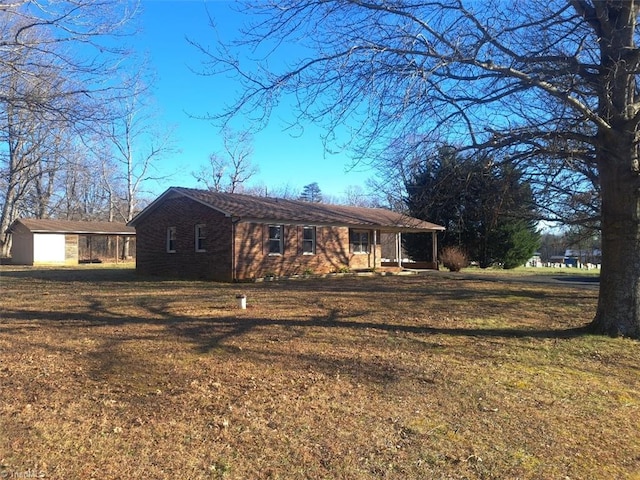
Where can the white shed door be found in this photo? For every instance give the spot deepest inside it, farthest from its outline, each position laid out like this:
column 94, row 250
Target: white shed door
column 48, row 247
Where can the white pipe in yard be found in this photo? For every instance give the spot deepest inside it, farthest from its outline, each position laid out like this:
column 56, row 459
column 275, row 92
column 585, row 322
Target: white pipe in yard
column 242, row 301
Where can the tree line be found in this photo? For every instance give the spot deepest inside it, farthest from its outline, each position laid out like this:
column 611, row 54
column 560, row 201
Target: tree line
column 77, row 140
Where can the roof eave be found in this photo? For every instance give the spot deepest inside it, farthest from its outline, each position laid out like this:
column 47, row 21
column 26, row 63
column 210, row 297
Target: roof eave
column 368, row 226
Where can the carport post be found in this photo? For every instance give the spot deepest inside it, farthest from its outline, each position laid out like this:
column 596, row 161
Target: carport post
column 434, row 254
column 375, row 247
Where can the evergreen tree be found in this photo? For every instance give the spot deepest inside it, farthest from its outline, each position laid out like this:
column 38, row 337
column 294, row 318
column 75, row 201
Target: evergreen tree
column 311, row 193
column 485, row 207
column 514, row 242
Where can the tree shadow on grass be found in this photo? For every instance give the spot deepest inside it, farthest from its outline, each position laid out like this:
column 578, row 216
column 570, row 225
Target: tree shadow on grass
column 158, row 313
column 211, row 334
column 248, row 336
column 218, row 329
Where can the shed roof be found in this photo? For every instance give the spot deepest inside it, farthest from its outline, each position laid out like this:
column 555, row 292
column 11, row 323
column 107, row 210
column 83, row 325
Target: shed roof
column 72, row 227
column 267, row 209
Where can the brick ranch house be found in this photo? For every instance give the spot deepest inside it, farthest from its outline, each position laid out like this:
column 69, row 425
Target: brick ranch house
column 231, row 237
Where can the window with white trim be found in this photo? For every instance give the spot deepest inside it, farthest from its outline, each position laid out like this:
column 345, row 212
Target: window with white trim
column 171, row 239
column 276, row 239
column 359, row 240
column 199, row 237
column 308, row 240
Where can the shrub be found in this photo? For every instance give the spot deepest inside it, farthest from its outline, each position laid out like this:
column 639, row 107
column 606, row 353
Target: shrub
column 454, row 258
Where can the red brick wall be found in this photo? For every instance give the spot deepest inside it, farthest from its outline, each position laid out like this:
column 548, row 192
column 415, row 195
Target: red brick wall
column 184, row 214
column 332, row 252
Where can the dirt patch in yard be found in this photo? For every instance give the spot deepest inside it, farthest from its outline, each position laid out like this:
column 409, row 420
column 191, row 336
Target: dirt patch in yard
column 107, row 375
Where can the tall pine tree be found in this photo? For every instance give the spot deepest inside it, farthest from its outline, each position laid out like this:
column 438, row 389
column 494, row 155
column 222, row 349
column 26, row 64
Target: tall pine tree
column 311, row 193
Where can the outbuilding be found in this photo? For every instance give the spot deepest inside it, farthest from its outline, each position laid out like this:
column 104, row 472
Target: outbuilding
column 66, row 242
column 194, row 233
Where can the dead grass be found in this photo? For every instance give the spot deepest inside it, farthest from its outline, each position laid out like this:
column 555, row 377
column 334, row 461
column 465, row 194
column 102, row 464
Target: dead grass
column 105, row 375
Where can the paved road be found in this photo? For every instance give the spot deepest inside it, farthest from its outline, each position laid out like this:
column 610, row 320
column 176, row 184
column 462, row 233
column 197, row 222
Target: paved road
column 581, row 281
column 574, row 280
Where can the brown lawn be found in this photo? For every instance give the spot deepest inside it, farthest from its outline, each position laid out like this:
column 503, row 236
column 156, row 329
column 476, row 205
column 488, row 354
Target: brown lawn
column 108, row 376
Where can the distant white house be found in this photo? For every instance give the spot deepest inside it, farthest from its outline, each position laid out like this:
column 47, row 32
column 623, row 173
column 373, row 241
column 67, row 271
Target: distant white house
column 59, row 242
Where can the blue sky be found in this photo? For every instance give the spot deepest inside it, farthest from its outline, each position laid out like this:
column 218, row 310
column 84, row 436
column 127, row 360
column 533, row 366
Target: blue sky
column 179, row 94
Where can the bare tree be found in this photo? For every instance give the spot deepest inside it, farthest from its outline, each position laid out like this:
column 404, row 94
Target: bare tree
column 83, row 195
column 36, row 144
column 528, row 81
column 71, row 40
column 57, row 60
column 357, row 196
column 137, row 144
column 229, row 170
column 285, row 190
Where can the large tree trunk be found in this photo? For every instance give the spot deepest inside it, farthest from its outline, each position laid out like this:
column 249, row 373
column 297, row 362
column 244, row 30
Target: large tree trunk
column 619, row 170
column 619, row 301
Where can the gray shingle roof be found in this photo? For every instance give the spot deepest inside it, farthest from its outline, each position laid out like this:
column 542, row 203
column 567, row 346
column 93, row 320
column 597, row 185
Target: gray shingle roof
column 73, row 227
column 267, row 209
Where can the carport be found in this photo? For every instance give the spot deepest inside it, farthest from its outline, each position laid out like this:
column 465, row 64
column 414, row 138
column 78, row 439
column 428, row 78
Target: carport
column 67, row 242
